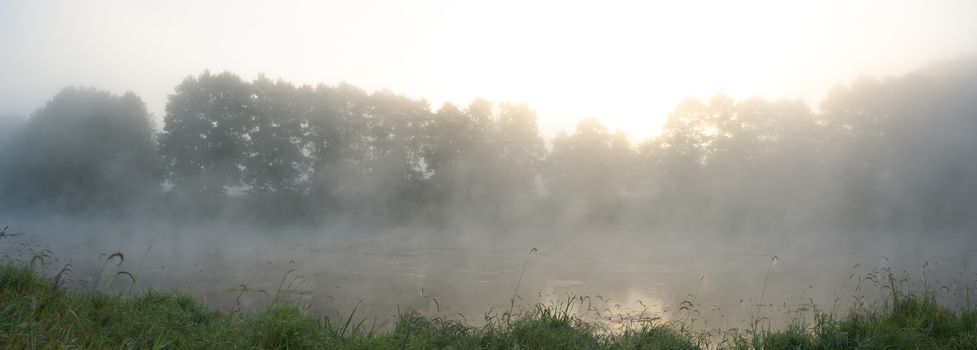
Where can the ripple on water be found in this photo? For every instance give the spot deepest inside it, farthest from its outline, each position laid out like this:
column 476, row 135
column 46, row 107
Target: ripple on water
column 564, row 283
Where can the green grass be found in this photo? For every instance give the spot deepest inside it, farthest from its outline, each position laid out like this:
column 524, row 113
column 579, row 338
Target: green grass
column 34, row 313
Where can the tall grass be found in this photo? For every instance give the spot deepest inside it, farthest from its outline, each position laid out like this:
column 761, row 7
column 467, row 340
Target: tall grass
column 36, row 313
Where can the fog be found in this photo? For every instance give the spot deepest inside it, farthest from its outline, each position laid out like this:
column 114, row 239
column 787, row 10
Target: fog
column 626, row 62
column 340, row 198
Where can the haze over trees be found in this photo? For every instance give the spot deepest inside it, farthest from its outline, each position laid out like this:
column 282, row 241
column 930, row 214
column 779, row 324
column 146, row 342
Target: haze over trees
column 85, row 150
column 9, row 125
column 876, row 154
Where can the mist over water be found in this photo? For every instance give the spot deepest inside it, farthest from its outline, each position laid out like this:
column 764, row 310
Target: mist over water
column 461, row 276
column 341, row 199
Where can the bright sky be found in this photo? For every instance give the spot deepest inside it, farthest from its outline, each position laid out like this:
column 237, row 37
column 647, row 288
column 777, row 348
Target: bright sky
column 628, row 63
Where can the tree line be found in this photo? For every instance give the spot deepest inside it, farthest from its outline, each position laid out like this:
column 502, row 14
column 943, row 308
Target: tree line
column 896, row 152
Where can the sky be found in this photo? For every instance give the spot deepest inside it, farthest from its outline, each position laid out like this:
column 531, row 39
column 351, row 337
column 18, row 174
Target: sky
column 627, row 63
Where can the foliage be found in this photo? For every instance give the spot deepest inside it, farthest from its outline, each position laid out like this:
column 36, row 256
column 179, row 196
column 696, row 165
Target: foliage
column 886, row 154
column 86, row 148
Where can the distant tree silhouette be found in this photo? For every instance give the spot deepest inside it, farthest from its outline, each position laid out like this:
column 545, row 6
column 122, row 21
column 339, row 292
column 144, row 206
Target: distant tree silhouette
column 85, row 150
column 275, row 157
column 890, row 154
column 471, row 169
column 10, row 125
column 336, row 131
column 672, row 163
column 521, row 148
column 589, row 171
column 452, row 136
column 395, row 143
column 205, row 137
column 907, row 147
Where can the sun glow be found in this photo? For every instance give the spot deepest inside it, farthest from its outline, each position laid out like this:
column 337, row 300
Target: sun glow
column 624, row 62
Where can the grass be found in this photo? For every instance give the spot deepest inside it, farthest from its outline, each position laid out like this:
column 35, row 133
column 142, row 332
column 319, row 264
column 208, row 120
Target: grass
column 909, row 322
column 35, row 313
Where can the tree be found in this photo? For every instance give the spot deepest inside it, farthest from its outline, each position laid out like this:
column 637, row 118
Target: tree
column 521, row 147
column 336, row 135
column 588, row 172
column 205, row 137
column 906, row 145
column 452, row 136
column 10, row 125
column 671, row 163
column 394, row 165
column 275, row 160
column 85, row 150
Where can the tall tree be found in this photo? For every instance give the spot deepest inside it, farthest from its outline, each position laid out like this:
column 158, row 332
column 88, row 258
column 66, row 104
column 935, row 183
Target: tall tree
column 451, row 135
column 275, row 159
column 588, row 172
column 205, row 137
column 10, row 125
column 906, row 147
column 85, row 150
column 395, row 140
column 672, row 162
column 521, row 147
column 336, row 134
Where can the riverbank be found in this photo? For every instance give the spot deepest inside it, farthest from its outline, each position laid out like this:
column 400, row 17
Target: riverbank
column 35, row 313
